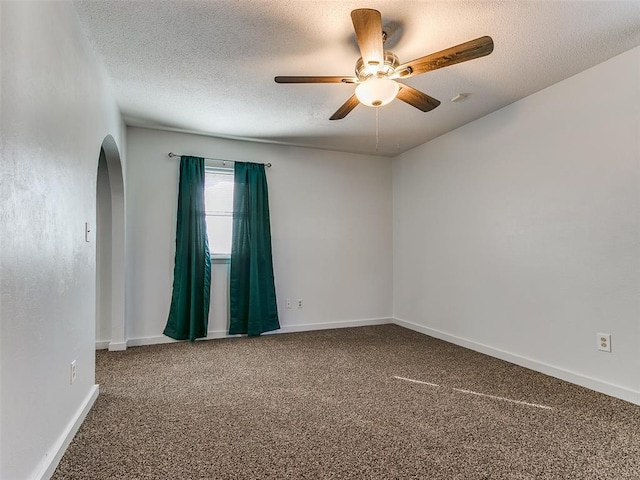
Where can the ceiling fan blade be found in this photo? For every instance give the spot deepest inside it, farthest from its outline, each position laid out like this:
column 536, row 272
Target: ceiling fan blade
column 346, row 107
column 368, row 26
column 460, row 53
column 315, row 79
column 416, row 98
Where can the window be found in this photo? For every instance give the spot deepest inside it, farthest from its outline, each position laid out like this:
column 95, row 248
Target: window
column 218, row 201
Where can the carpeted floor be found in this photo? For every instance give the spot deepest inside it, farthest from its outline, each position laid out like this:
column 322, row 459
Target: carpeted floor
column 343, row 404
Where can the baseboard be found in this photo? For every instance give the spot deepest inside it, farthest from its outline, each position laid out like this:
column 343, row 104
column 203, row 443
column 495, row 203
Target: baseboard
column 162, row 339
column 56, row 453
column 117, row 346
column 216, row 334
column 567, row 375
column 332, row 325
column 111, row 346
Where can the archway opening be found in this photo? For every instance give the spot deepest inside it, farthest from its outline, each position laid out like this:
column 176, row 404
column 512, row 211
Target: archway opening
column 110, row 264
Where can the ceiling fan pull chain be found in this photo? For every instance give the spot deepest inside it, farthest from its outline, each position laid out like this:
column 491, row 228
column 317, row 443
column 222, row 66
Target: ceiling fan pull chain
column 377, row 130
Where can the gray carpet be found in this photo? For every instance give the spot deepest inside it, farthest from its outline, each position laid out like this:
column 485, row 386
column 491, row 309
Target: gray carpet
column 327, row 404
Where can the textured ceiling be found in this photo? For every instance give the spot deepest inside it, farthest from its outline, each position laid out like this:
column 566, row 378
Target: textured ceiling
column 208, row 66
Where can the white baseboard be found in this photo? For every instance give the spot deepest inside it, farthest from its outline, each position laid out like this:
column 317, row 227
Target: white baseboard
column 161, row 339
column 56, row 453
column 117, row 346
column 111, row 346
column 215, row 334
column 332, row 325
column 569, row 376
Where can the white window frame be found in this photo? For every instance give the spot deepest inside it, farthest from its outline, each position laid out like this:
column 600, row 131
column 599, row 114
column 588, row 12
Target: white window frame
column 217, row 169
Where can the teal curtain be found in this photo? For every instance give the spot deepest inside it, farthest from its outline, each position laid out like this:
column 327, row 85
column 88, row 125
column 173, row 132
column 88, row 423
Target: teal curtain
column 189, row 312
column 252, row 294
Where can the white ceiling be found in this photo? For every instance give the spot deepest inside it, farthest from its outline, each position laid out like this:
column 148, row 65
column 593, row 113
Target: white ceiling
column 208, row 66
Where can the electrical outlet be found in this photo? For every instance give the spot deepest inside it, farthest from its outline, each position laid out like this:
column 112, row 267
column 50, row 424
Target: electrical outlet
column 299, row 303
column 287, row 303
column 72, row 377
column 604, row 342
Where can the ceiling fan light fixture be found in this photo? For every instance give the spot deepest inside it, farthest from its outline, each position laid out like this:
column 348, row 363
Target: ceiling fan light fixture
column 376, row 69
column 376, row 92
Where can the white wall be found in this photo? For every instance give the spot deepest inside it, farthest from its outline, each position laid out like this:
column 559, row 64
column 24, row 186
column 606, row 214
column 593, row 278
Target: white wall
column 331, row 232
column 518, row 234
column 56, row 111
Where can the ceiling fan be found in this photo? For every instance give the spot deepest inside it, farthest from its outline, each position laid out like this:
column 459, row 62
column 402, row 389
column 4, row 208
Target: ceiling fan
column 377, row 69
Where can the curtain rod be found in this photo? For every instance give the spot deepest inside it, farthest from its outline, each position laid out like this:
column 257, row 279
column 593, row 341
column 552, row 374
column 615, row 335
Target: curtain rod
column 224, row 162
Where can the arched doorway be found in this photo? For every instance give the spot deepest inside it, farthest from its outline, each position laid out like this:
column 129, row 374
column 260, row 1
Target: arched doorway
column 110, row 266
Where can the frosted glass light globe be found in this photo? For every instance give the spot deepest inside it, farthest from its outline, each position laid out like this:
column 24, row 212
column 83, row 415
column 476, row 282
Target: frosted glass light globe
column 376, row 92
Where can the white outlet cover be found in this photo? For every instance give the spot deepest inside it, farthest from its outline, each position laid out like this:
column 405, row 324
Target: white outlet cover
column 604, row 342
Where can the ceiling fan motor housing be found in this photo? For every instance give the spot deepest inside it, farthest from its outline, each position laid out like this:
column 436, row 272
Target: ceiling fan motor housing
column 365, row 71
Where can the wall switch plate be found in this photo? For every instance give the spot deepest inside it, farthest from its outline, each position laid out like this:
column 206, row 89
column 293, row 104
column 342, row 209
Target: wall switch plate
column 72, row 377
column 604, row 342
column 287, row 303
column 87, row 232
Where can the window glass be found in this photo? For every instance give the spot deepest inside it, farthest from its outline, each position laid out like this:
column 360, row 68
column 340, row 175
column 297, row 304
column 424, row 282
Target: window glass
column 218, row 198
